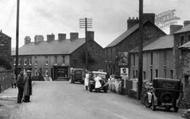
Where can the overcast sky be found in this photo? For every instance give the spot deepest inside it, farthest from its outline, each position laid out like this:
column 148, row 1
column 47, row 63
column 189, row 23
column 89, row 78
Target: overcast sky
column 62, row 16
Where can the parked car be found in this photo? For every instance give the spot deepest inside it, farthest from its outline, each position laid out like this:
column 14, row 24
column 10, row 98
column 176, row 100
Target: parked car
column 77, row 75
column 162, row 92
column 102, row 80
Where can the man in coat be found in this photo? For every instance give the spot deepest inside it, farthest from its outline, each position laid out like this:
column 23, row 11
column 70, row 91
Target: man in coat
column 28, row 87
column 20, row 84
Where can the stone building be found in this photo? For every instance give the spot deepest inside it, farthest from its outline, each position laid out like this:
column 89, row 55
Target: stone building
column 55, row 57
column 117, row 51
column 5, row 54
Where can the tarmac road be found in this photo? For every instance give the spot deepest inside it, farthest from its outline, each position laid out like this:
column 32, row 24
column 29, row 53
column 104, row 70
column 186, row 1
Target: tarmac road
column 61, row 100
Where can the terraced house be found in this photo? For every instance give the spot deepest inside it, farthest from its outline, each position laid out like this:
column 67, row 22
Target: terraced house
column 55, row 57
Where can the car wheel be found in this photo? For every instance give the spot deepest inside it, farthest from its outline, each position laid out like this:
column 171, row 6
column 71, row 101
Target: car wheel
column 153, row 106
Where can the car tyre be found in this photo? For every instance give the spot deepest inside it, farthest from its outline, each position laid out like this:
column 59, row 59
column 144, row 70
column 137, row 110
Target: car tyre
column 146, row 103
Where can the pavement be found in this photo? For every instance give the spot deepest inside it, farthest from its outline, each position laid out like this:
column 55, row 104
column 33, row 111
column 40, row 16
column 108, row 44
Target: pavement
column 62, row 100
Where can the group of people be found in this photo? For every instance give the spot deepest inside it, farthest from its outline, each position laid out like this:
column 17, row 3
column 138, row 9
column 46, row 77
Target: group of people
column 24, row 84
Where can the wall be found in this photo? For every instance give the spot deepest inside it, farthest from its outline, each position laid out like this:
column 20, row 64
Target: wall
column 96, row 56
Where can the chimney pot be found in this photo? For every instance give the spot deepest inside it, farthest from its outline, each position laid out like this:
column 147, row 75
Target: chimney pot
column 27, row 40
column 74, row 36
column 186, row 22
column 38, row 38
column 50, row 37
column 61, row 36
column 90, row 35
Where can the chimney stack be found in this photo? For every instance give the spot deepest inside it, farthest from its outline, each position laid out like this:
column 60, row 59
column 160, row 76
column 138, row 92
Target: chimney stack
column 61, row 36
column 74, row 36
column 50, row 37
column 27, row 40
column 131, row 22
column 175, row 28
column 149, row 17
column 90, row 35
column 186, row 22
column 38, row 38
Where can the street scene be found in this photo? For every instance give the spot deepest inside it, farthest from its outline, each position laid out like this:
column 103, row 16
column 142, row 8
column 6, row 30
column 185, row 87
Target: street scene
column 103, row 59
column 60, row 100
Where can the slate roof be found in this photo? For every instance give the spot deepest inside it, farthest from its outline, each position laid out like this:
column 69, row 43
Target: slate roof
column 49, row 48
column 123, row 35
column 184, row 29
column 164, row 42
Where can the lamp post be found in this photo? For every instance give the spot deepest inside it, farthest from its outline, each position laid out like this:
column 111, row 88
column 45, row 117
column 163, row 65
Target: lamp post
column 17, row 37
column 86, row 23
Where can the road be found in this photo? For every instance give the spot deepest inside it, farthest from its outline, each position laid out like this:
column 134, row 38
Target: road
column 61, row 100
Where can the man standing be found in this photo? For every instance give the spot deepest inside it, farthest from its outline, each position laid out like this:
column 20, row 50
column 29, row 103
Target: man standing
column 20, row 85
column 28, row 87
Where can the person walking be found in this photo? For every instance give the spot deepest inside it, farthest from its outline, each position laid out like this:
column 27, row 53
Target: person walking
column 20, row 85
column 27, row 87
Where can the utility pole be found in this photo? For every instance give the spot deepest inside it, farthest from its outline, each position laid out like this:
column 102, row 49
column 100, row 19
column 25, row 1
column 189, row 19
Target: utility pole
column 140, row 79
column 17, row 37
column 86, row 23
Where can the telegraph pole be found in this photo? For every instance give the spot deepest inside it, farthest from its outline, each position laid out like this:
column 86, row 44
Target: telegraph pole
column 86, row 23
column 140, row 79
column 17, row 37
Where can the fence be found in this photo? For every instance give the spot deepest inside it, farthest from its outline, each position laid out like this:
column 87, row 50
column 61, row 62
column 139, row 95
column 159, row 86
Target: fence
column 6, row 79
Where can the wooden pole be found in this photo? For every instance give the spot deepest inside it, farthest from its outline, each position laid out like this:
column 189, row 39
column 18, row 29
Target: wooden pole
column 17, row 37
column 86, row 41
column 140, row 79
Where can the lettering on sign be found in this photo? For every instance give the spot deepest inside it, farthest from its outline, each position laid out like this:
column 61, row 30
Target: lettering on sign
column 166, row 18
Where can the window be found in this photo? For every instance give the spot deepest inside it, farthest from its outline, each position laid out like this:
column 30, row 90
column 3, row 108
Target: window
column 55, row 59
column 171, row 74
column 144, row 75
column 133, row 73
column 182, row 40
column 63, row 59
column 156, row 71
column 188, row 37
column 133, row 59
column 151, row 58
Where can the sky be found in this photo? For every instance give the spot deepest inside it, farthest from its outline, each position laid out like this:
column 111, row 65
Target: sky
column 42, row 17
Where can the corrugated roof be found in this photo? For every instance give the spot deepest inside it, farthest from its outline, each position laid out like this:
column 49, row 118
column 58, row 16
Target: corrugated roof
column 163, row 42
column 184, row 29
column 123, row 36
column 54, row 47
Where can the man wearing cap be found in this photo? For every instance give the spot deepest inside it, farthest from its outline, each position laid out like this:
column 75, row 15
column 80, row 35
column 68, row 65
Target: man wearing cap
column 27, row 86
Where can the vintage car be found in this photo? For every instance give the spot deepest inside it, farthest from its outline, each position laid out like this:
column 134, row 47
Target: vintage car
column 162, row 92
column 103, row 82
column 77, row 75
